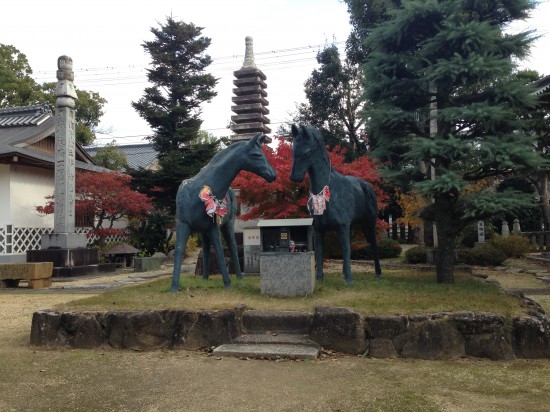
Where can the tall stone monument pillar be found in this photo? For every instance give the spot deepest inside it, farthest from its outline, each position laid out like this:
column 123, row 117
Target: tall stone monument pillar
column 64, row 236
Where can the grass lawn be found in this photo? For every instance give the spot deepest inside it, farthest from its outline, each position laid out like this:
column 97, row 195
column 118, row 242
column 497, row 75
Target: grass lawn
column 398, row 292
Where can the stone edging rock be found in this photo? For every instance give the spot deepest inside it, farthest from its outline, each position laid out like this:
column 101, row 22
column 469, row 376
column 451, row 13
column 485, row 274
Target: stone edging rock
column 423, row 336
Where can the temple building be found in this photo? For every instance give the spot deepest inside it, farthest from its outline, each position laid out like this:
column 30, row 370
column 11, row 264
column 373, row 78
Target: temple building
column 250, row 100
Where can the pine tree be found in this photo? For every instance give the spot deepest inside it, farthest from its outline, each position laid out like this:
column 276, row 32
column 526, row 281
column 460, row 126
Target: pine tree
column 172, row 105
column 446, row 108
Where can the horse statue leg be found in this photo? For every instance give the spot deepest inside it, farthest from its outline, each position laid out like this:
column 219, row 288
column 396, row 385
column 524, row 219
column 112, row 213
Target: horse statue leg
column 344, row 234
column 205, row 240
column 228, row 233
column 216, row 240
column 183, row 231
column 318, row 237
column 369, row 230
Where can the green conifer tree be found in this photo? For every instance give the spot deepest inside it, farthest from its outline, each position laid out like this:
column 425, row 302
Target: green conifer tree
column 446, row 107
column 172, row 104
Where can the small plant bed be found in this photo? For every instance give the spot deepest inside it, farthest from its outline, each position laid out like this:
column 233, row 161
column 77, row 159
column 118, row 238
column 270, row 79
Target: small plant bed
column 398, row 292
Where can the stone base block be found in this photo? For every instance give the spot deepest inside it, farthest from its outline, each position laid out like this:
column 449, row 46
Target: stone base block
column 84, row 270
column 287, row 274
column 40, row 283
column 63, row 240
column 145, row 264
column 65, row 257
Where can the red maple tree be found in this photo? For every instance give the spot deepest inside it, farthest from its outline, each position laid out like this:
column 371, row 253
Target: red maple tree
column 106, row 197
column 287, row 199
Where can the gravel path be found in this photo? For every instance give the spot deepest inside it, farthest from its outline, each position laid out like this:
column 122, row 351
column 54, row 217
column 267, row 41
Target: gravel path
column 110, row 380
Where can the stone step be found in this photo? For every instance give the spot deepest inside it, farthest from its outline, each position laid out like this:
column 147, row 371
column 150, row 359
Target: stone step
column 267, row 350
column 258, row 321
column 276, row 338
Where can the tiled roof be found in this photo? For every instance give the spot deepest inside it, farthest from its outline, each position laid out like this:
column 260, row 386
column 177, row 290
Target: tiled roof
column 24, row 116
column 542, row 85
column 22, row 127
column 137, row 155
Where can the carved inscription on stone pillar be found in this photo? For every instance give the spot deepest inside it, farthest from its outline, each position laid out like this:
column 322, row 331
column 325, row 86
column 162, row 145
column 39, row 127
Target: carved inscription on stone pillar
column 64, row 219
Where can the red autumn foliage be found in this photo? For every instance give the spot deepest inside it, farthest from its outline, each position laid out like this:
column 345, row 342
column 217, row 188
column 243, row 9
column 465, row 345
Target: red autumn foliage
column 107, row 197
column 286, row 199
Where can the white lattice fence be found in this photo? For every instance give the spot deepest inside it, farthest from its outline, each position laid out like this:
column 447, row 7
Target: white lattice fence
column 21, row 239
column 109, row 239
column 2, row 240
column 27, row 238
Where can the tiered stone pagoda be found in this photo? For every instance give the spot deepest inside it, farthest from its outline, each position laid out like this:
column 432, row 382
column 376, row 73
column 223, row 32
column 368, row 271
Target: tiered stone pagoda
column 250, row 103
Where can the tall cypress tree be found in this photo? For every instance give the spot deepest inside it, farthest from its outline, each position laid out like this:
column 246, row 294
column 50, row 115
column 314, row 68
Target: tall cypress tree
column 172, row 105
column 446, row 107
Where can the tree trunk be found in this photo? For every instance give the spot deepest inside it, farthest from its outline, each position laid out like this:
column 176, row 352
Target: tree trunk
column 445, row 259
column 446, row 239
column 542, row 189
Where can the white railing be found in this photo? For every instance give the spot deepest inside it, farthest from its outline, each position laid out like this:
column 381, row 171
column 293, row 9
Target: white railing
column 21, row 239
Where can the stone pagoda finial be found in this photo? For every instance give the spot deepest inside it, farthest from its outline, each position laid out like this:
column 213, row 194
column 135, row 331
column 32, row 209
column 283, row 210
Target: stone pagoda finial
column 64, row 89
column 248, row 54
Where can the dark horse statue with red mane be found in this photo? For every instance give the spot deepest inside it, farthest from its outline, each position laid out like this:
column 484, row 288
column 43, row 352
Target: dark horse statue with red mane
column 336, row 201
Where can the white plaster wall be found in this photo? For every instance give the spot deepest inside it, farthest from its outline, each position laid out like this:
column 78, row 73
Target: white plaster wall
column 5, row 213
column 28, row 188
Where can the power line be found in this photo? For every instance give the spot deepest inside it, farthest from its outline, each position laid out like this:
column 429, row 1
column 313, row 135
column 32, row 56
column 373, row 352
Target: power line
column 281, row 59
column 85, row 73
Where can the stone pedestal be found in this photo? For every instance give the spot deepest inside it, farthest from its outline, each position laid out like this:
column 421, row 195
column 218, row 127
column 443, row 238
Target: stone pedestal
column 65, row 257
column 63, row 240
column 71, row 262
column 287, row 274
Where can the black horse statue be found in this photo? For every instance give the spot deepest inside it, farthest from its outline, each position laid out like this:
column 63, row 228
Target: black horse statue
column 206, row 204
column 336, row 201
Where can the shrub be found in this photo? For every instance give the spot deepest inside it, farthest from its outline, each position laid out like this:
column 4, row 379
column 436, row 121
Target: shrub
column 416, row 254
column 513, row 246
column 387, row 248
column 484, row 255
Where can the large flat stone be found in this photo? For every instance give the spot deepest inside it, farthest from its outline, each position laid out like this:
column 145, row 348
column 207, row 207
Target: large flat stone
column 267, row 350
column 27, row 271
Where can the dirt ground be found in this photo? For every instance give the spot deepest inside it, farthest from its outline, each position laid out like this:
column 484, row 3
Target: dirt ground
column 38, row 379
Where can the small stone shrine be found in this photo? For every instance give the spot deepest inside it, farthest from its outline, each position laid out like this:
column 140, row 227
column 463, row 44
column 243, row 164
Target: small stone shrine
column 287, row 264
column 250, row 103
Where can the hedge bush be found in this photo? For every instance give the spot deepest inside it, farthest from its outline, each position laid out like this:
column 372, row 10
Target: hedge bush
column 484, row 255
column 416, row 254
column 513, row 246
column 387, row 249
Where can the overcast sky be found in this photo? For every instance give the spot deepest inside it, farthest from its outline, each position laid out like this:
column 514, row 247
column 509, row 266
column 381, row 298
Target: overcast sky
column 104, row 37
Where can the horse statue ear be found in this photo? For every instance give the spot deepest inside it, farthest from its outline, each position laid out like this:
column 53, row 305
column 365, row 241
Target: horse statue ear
column 294, row 129
column 259, row 139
